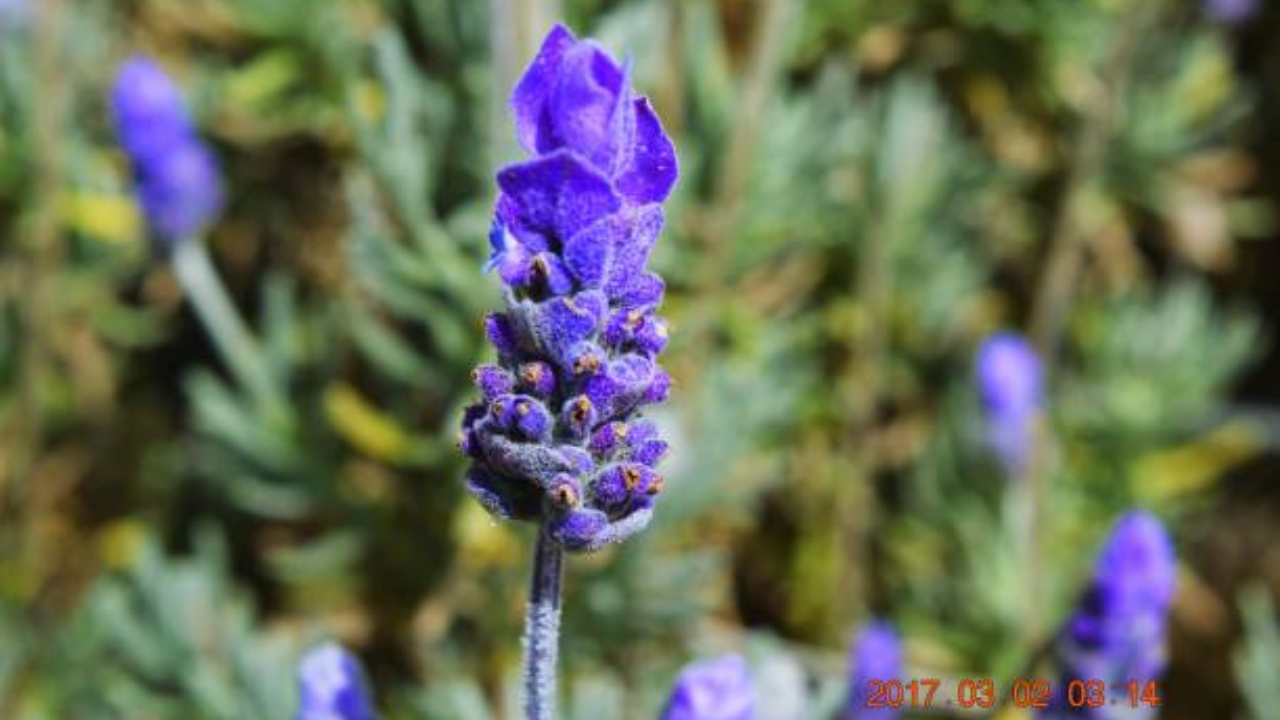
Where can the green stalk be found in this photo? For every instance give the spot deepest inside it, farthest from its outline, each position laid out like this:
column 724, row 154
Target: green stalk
column 231, row 336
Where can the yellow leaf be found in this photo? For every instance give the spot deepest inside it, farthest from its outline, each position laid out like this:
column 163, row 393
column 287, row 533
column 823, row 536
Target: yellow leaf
column 264, row 80
column 102, row 216
column 370, row 430
column 371, row 101
column 119, row 543
column 484, row 540
column 1190, row 468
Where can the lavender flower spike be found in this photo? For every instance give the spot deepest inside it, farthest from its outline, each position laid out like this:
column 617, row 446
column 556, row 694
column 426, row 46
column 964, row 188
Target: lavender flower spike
column 557, row 437
column 718, row 689
column 1231, row 12
column 331, row 686
column 1010, row 381
column 876, row 656
column 177, row 177
column 1117, row 634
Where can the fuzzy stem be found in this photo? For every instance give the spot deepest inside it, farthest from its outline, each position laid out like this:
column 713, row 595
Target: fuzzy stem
column 237, row 346
column 542, row 629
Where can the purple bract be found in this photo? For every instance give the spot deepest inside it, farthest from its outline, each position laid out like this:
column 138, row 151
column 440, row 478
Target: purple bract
column 558, row 436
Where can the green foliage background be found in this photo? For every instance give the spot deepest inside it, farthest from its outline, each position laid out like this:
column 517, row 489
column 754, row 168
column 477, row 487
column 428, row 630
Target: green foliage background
column 869, row 189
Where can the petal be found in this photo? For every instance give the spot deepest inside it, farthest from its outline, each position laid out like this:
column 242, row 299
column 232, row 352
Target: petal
column 638, row 291
column 561, row 323
column 632, row 247
column 652, row 170
column 529, row 99
column 582, row 111
column 557, row 195
column 589, row 253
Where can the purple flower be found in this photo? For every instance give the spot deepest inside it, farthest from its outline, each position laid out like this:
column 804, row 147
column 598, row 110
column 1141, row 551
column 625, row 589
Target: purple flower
column 1010, row 381
column 1231, row 12
column 331, row 686
column 876, row 656
column 14, row 14
column 558, row 436
column 178, row 182
column 718, row 689
column 1117, row 633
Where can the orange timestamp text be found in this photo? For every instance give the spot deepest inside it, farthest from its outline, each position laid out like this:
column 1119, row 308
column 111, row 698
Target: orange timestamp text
column 1023, row 693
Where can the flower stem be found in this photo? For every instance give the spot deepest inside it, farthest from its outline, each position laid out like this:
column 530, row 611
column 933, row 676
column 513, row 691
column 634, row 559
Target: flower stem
column 542, row 629
column 237, row 346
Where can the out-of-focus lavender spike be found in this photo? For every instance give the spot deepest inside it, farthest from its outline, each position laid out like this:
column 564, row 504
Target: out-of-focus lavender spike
column 717, row 689
column 331, row 686
column 1117, row 634
column 876, row 655
column 1010, row 381
column 177, row 176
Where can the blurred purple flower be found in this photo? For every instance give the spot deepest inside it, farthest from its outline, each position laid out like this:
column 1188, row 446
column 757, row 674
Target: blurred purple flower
column 14, row 13
column 1117, row 633
column 718, row 689
column 557, row 435
column 331, row 686
column 1010, row 381
column 876, row 655
column 177, row 177
column 1231, row 12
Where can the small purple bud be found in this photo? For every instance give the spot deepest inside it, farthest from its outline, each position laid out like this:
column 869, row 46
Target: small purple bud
column 619, row 486
column 579, row 528
column 577, row 459
column 538, row 378
column 607, row 438
column 718, row 689
column 501, row 334
column 587, row 358
column 579, row 415
column 649, row 452
column 659, row 389
column 331, row 686
column 492, row 381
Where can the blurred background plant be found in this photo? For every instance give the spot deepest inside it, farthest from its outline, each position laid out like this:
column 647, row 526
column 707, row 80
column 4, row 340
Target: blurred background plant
column 870, row 190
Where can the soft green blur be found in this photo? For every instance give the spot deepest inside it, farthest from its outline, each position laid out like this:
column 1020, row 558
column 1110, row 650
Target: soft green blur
column 868, row 190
